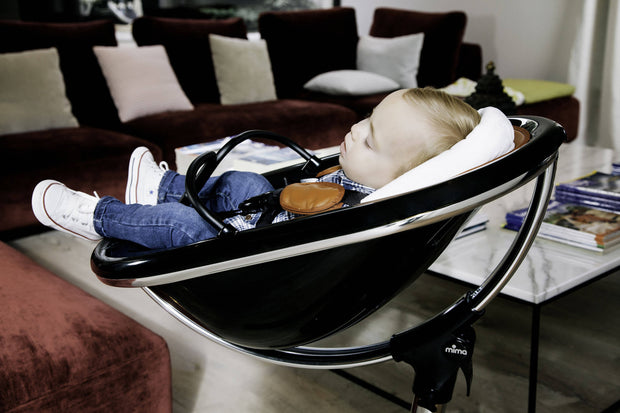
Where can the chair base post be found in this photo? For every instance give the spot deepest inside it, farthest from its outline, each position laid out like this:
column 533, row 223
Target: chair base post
column 436, row 361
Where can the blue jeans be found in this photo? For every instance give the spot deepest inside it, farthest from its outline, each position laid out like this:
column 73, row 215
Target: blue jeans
column 170, row 223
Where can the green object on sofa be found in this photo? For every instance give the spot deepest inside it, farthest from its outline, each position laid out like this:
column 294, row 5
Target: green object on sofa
column 540, row 90
column 62, row 350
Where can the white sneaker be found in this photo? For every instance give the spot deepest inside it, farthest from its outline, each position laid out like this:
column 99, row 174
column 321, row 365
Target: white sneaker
column 143, row 177
column 64, row 209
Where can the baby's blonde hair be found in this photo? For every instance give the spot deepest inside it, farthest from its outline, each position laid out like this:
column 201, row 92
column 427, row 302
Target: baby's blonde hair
column 450, row 117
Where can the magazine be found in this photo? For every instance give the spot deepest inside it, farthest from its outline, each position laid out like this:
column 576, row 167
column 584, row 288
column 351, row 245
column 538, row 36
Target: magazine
column 248, row 156
column 477, row 223
column 572, row 224
column 605, row 204
column 597, row 184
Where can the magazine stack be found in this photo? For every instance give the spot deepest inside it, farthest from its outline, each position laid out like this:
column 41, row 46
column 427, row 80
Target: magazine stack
column 597, row 190
column 585, row 213
column 577, row 225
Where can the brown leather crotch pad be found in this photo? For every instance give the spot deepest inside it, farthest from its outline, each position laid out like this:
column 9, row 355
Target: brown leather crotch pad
column 308, row 198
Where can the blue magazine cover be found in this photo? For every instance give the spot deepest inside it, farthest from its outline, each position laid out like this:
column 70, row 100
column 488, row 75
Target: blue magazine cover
column 596, row 184
column 576, row 225
column 605, row 204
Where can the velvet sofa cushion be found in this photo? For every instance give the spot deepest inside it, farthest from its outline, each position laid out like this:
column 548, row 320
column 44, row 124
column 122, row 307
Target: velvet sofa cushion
column 65, row 351
column 443, row 35
column 85, row 85
column 32, row 92
column 242, row 70
column 303, row 44
column 470, row 61
column 187, row 44
column 141, row 80
column 312, row 125
column 84, row 158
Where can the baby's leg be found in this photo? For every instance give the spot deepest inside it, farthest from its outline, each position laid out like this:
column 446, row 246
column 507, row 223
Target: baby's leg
column 222, row 193
column 154, row 226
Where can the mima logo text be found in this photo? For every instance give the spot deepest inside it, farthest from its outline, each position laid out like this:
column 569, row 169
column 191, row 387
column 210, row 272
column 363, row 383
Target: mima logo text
column 454, row 350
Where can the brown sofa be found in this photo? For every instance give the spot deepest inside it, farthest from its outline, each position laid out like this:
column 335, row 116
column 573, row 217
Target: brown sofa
column 63, row 350
column 301, row 45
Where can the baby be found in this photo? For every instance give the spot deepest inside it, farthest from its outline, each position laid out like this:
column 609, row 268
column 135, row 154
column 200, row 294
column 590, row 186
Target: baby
column 407, row 128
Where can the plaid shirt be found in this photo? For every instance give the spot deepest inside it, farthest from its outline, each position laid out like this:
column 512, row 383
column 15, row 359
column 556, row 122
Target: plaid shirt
column 243, row 222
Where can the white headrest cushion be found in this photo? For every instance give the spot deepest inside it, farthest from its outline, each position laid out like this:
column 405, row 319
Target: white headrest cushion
column 492, row 137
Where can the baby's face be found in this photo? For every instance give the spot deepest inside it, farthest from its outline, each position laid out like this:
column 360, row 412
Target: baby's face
column 377, row 148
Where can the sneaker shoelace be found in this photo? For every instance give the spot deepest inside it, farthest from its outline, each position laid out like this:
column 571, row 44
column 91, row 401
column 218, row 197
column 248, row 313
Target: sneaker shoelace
column 83, row 209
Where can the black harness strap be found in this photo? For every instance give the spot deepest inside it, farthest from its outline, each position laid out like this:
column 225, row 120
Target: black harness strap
column 269, row 205
column 352, row 197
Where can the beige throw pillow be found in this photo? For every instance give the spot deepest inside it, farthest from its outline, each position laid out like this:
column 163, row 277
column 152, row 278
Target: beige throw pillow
column 242, row 70
column 141, row 81
column 32, row 92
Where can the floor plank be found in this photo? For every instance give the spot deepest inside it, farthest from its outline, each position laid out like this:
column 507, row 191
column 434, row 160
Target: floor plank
column 579, row 365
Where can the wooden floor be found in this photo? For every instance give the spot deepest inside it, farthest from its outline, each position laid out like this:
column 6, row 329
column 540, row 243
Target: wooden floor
column 579, row 369
column 579, row 360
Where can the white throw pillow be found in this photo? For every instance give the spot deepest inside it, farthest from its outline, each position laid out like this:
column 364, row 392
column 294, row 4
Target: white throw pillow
column 141, row 81
column 350, row 82
column 397, row 58
column 242, row 70
column 32, row 92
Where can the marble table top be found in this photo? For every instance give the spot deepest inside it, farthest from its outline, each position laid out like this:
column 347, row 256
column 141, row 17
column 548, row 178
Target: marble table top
column 550, row 268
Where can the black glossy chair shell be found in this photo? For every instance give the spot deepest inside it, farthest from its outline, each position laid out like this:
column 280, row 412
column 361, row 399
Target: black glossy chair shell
column 293, row 283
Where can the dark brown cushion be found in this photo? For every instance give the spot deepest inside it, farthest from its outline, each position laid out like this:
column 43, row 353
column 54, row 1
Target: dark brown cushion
column 65, row 351
column 187, row 44
column 86, row 159
column 303, row 44
column 85, row 85
column 443, row 35
column 312, row 125
column 470, row 61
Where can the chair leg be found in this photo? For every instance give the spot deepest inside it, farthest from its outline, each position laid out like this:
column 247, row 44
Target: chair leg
column 415, row 408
